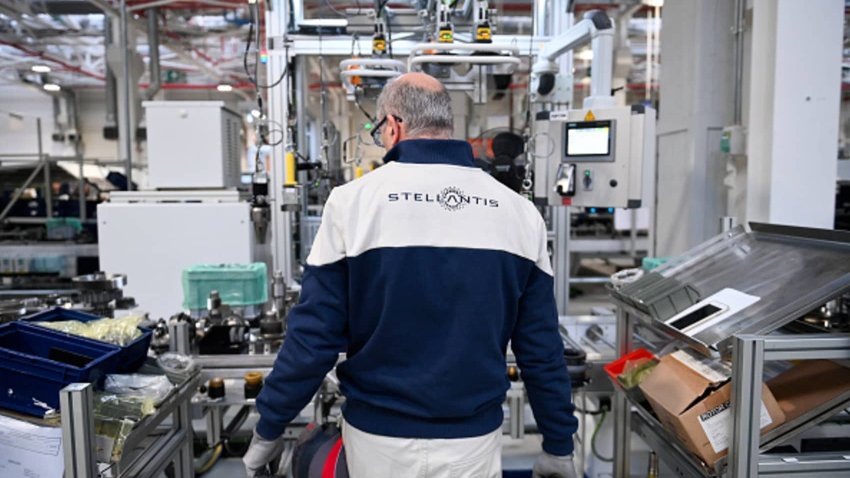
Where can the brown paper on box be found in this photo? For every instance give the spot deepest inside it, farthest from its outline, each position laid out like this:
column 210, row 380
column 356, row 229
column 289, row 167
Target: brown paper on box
column 808, row 385
column 688, row 404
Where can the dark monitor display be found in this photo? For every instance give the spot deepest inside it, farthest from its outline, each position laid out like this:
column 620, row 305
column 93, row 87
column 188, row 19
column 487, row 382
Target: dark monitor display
column 702, row 313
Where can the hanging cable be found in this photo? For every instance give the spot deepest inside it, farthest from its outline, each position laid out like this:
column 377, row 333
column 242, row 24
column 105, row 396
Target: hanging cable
column 357, row 91
column 254, row 78
column 326, row 143
column 593, row 440
column 332, row 7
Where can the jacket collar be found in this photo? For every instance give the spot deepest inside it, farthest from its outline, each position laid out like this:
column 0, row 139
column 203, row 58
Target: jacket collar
column 432, row 151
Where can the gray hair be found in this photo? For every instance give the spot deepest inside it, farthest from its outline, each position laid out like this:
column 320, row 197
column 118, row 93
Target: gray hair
column 424, row 111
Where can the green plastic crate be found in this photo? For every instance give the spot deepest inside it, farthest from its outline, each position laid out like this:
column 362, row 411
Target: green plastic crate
column 650, row 263
column 63, row 228
column 237, row 284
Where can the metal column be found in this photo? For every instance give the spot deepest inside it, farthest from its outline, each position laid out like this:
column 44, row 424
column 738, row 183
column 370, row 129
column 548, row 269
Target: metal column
column 48, row 189
column 621, row 407
column 178, row 338
column 184, row 464
column 215, row 424
column 81, row 193
column 76, row 403
column 278, row 110
column 125, row 124
column 561, row 257
column 747, row 367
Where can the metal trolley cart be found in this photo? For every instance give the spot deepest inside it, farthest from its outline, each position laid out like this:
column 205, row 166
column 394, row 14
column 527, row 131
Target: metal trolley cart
column 159, row 439
column 790, row 272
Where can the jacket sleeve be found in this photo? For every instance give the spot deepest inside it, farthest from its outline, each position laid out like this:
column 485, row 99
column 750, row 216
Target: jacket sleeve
column 539, row 351
column 316, row 331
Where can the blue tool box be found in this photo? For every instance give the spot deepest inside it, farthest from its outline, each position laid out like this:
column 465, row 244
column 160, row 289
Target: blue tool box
column 36, row 363
column 132, row 355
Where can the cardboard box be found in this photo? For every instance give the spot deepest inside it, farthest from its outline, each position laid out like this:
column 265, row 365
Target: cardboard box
column 692, row 399
column 808, row 385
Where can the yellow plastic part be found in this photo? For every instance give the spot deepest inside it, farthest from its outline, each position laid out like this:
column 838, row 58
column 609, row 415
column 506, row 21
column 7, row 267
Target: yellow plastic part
column 483, row 34
column 290, row 170
column 119, row 331
column 358, row 172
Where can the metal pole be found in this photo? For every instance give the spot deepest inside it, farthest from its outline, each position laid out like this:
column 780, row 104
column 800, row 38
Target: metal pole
column 179, row 340
column 561, row 257
column 153, row 55
column 621, row 405
column 76, row 403
column 124, row 122
column 278, row 110
column 738, row 58
column 48, row 191
column 747, row 372
column 184, row 466
column 82, row 191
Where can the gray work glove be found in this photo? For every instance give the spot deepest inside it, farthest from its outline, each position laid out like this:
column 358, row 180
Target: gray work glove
column 551, row 466
column 260, row 453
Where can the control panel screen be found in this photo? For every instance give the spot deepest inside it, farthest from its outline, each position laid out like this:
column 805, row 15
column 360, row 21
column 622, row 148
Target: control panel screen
column 589, row 138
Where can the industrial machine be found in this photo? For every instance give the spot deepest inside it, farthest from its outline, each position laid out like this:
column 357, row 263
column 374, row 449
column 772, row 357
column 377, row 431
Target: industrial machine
column 196, row 210
column 192, row 144
column 599, row 155
column 596, row 157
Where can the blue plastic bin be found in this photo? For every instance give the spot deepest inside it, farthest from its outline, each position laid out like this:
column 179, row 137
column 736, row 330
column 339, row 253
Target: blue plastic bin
column 36, row 363
column 132, row 355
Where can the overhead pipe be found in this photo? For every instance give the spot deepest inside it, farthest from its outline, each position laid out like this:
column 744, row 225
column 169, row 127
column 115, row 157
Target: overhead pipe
column 153, row 55
column 176, row 49
column 51, row 59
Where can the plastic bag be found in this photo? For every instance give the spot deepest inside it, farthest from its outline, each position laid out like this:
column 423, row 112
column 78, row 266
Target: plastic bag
column 112, row 406
column 119, row 331
column 111, row 436
column 636, row 371
column 177, row 367
column 153, row 387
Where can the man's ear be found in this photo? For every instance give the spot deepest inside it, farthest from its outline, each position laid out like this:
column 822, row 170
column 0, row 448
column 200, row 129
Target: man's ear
column 396, row 132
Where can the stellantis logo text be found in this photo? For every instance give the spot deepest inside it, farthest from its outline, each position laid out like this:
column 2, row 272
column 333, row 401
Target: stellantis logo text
column 450, row 198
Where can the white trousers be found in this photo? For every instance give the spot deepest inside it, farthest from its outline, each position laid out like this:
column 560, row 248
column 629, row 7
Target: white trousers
column 375, row 456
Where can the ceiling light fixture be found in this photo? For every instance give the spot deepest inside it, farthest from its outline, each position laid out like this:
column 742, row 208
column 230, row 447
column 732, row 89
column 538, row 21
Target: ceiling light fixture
column 51, row 87
column 41, row 68
column 224, row 88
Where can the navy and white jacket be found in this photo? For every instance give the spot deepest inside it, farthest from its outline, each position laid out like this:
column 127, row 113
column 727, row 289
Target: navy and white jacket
column 422, row 272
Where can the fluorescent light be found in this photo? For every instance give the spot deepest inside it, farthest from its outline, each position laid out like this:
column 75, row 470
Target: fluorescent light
column 324, row 22
column 41, row 68
column 51, row 87
column 585, row 55
column 224, row 88
column 653, row 3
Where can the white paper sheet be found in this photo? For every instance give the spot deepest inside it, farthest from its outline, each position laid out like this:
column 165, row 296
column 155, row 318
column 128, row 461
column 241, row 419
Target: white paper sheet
column 30, row 451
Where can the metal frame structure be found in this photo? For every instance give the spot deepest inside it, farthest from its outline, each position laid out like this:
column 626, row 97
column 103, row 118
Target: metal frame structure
column 159, row 450
column 44, row 168
column 746, row 458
